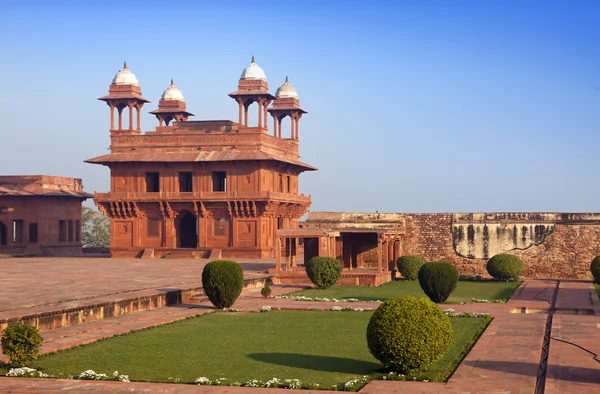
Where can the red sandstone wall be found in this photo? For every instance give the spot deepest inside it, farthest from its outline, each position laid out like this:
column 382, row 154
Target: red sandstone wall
column 565, row 253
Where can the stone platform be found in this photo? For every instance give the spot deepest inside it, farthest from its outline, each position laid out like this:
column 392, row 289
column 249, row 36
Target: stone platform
column 57, row 292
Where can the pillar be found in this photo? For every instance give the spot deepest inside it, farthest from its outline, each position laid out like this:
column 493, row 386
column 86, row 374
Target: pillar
column 274, row 126
column 112, row 116
column 379, row 254
column 260, row 114
column 294, row 245
column 296, row 128
column 291, row 127
column 265, row 114
column 120, row 110
column 390, row 258
column 139, row 126
column 240, row 111
column 130, row 117
column 288, row 254
column 385, row 255
column 246, row 115
column 279, row 128
column 277, row 255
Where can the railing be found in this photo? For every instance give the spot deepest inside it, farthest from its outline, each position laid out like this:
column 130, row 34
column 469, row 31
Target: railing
column 201, row 196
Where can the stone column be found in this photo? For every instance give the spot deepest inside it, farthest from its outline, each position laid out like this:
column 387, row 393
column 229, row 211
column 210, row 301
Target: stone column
column 379, row 254
column 260, row 113
column 277, row 255
column 139, row 123
column 130, row 117
column 274, row 126
column 112, row 117
column 265, row 115
column 294, row 243
column 246, row 115
column 385, row 255
column 292, row 127
column 288, row 254
column 240, row 111
column 120, row 110
column 279, row 128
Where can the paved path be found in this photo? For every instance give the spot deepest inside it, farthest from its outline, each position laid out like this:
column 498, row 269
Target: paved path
column 505, row 359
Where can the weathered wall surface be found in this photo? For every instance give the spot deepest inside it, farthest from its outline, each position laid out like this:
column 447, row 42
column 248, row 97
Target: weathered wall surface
column 550, row 245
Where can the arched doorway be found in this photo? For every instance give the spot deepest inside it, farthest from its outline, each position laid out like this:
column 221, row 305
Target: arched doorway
column 187, row 231
column 3, row 234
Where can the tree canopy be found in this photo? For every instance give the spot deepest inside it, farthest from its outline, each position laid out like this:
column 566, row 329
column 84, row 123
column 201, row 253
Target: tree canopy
column 95, row 229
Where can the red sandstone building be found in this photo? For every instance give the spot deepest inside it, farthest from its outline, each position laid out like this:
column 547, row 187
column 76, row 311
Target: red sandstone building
column 40, row 215
column 196, row 188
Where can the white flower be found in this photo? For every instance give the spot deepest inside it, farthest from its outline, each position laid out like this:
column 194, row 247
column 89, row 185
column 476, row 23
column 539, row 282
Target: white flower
column 265, row 308
column 202, row 380
column 116, row 373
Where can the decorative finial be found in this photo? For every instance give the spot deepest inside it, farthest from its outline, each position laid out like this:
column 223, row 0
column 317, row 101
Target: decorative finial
column 124, row 65
column 252, row 59
column 172, row 83
column 286, row 78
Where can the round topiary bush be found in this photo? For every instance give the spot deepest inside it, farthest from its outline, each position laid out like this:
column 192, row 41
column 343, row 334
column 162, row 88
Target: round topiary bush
column 222, row 281
column 21, row 343
column 407, row 333
column 409, row 266
column 323, row 271
column 438, row 280
column 595, row 268
column 504, row 267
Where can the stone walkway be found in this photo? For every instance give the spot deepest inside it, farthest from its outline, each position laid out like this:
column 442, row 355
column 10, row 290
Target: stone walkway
column 505, row 360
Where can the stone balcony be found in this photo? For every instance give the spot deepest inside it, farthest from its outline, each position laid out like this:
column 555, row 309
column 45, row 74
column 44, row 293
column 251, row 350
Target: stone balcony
column 265, row 195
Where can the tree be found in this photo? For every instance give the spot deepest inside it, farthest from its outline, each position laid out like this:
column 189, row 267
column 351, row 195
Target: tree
column 95, row 229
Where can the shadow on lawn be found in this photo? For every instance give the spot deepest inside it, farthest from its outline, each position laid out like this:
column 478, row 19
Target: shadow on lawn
column 317, row 363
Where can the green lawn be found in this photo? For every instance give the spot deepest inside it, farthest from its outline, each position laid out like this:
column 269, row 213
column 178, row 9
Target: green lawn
column 465, row 291
column 321, row 347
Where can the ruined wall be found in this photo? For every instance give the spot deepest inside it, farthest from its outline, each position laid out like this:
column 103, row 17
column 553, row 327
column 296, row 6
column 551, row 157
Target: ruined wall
column 550, row 245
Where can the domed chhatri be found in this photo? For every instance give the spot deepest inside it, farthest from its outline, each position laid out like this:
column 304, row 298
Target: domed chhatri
column 125, row 77
column 286, row 90
column 172, row 93
column 253, row 71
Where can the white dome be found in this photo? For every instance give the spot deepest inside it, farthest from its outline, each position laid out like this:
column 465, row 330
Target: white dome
column 125, row 77
column 172, row 93
column 253, row 71
column 286, row 90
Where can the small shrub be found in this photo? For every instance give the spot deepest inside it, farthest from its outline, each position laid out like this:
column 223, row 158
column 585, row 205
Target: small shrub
column 504, row 267
column 21, row 343
column 438, row 280
column 266, row 291
column 407, row 333
column 223, row 281
column 409, row 266
column 595, row 269
column 323, row 271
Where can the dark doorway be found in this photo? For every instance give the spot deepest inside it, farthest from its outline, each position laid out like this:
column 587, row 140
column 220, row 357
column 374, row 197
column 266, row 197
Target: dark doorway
column 187, row 234
column 3, row 234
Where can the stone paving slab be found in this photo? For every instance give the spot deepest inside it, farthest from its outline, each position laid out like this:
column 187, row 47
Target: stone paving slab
column 36, row 282
column 573, row 365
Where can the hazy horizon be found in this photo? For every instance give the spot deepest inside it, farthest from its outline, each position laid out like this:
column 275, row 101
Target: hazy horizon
column 417, row 106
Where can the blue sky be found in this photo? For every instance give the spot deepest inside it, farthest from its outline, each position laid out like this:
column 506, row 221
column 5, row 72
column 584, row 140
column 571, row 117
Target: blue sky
column 414, row 106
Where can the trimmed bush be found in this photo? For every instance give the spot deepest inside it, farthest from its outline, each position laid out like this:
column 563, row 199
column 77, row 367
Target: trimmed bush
column 266, row 291
column 407, row 333
column 409, row 266
column 504, row 267
column 438, row 280
column 595, row 268
column 223, row 281
column 21, row 343
column 323, row 271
